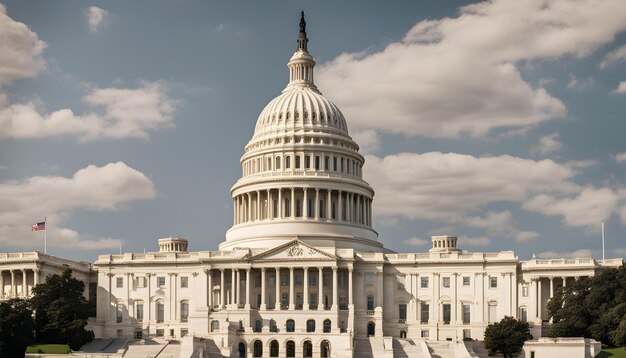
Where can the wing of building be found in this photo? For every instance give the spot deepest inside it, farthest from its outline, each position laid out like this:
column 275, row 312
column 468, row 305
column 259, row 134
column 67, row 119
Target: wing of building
column 302, row 272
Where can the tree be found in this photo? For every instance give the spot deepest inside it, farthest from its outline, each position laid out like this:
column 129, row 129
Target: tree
column 16, row 328
column 507, row 337
column 61, row 311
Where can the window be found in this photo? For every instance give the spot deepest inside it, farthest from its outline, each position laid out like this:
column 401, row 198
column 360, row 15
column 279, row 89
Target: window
column 140, row 282
column 119, row 282
column 257, row 279
column 424, row 333
column 493, row 282
column 308, row 349
column 317, row 162
column 370, row 302
column 184, row 311
column 423, row 282
column 184, row 282
column 160, row 281
column 310, row 325
column 120, row 312
column 258, row 325
column 425, row 313
column 493, row 312
column 342, row 164
column 322, row 209
column 402, row 311
column 287, row 162
column 285, row 301
column 274, row 349
column 298, row 208
column 298, row 278
column 446, row 282
column 466, row 281
column 312, row 279
column 215, row 325
column 403, row 334
column 523, row 314
column 525, row 291
column 277, row 162
column 287, row 207
column 307, row 161
column 326, row 163
column 271, row 279
column 284, row 278
column 327, row 279
column 369, row 278
column 258, row 348
column 184, row 332
column 160, row 332
column 446, row 313
column 160, row 311
column 335, row 163
column 297, row 162
column 273, row 327
column 327, row 326
column 139, row 310
column 291, row 325
column 466, row 313
column 291, row 349
column 313, row 299
column 400, row 282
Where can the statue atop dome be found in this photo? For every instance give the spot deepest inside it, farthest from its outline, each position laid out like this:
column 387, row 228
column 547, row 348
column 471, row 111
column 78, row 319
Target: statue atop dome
column 302, row 23
column 302, row 39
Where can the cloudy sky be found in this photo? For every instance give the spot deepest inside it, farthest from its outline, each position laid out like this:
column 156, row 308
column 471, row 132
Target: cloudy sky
column 501, row 122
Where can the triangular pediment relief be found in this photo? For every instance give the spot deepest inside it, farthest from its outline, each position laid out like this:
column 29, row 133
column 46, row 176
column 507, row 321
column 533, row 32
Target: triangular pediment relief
column 294, row 250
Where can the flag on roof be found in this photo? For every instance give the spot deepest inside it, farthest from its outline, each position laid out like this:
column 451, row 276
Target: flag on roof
column 38, row 226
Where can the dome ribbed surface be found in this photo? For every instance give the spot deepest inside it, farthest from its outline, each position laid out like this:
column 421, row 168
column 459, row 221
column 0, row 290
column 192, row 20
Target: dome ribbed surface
column 297, row 108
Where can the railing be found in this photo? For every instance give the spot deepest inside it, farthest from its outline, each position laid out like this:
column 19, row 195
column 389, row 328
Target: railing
column 402, row 321
column 369, row 312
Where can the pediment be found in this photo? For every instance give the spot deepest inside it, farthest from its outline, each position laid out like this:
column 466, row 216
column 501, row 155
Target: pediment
column 294, row 250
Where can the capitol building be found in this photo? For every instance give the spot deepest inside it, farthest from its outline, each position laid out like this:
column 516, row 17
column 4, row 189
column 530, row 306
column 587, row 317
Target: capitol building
column 302, row 272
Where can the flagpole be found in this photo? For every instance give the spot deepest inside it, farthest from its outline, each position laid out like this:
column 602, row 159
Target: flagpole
column 45, row 236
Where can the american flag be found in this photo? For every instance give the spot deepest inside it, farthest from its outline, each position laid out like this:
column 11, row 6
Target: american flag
column 38, row 226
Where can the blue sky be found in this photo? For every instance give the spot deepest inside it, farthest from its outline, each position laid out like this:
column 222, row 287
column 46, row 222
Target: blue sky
column 500, row 122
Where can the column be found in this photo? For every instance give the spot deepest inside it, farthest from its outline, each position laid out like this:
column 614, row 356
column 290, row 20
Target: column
column 222, row 290
column 320, row 289
column 277, row 284
column 539, row 300
column 291, row 289
column 247, row 306
column 148, row 303
column 24, row 290
column 350, row 303
column 305, row 203
column 14, row 288
column 335, row 297
column 305, row 291
column 349, row 207
column 329, row 205
column 435, row 303
column 358, row 209
column 237, row 287
column 234, row 211
column 379, row 288
column 551, row 287
column 293, row 203
column 339, row 205
column 513, row 288
column 280, row 203
column 209, row 277
column 263, row 304
column 564, row 281
column 258, row 205
column 270, row 205
column 455, row 305
column 1, row 284
column 317, row 203
column 533, row 301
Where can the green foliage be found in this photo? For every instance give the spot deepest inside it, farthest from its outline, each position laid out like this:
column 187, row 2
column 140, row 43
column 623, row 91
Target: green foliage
column 61, row 311
column 592, row 307
column 16, row 328
column 49, row 349
column 507, row 337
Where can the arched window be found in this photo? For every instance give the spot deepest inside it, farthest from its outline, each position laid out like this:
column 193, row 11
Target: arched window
column 273, row 327
column 258, row 348
column 327, row 326
column 291, row 325
column 184, row 311
column 274, row 348
column 242, row 349
column 310, row 325
column 258, row 325
column 288, row 162
column 371, row 329
column 298, row 162
column 325, row 349
column 160, row 311
column 307, row 349
column 119, row 308
column 215, row 325
column 269, row 164
column 290, row 349
column 277, row 162
column 402, row 334
column 370, row 302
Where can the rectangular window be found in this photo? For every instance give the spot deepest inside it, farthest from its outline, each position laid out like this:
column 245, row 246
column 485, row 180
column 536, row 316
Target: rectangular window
column 285, row 300
column 466, row 281
column 119, row 282
column 327, row 278
column 466, row 313
column 425, row 313
column 424, row 333
column 184, row 311
column 257, row 279
column 284, row 279
column 312, row 279
column 342, row 164
column 139, row 314
column 369, row 278
column 160, row 332
column 493, row 312
column 493, row 282
column 326, row 163
column 141, row 282
column 523, row 314
column 119, row 312
column 423, row 282
column 370, row 302
column 317, row 162
column 298, row 208
column 310, row 211
column 287, row 162
column 160, row 281
column 160, row 312
column 322, row 209
column 348, row 165
column 446, row 313
column 335, row 163
column 402, row 311
column 525, row 291
column 446, row 282
column 277, row 161
column 313, row 299
column 333, row 214
column 307, row 161
column 184, row 332
column 297, row 162
column 184, row 282
column 298, row 278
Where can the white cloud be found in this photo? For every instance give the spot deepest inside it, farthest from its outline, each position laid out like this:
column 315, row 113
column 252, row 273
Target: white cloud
column 96, row 17
column 589, row 208
column 474, row 241
column 621, row 88
column 620, row 251
column 20, row 56
column 24, row 202
column 368, row 140
column 616, row 56
column 456, row 188
column 581, row 253
column 580, row 84
column 459, row 75
column 547, row 144
column 620, row 157
column 416, row 241
column 114, row 113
